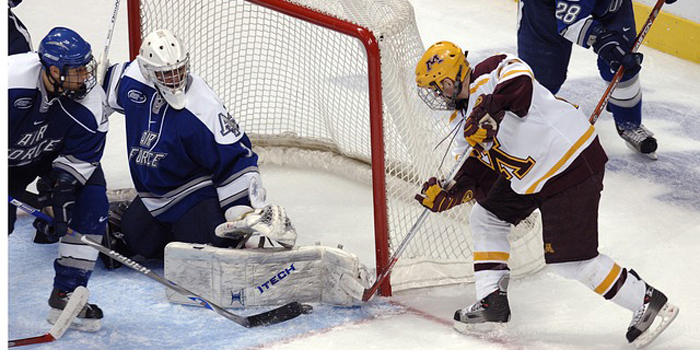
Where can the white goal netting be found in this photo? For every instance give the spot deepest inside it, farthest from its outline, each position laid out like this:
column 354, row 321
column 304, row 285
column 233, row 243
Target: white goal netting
column 301, row 92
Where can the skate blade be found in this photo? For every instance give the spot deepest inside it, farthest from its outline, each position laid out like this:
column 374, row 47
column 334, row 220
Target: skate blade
column 80, row 324
column 485, row 329
column 651, row 155
column 667, row 313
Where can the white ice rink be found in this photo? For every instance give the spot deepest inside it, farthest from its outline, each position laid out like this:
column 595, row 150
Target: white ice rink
column 649, row 221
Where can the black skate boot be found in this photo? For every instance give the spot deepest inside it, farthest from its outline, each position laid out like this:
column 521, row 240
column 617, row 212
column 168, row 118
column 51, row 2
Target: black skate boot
column 486, row 313
column 89, row 319
column 640, row 140
column 656, row 304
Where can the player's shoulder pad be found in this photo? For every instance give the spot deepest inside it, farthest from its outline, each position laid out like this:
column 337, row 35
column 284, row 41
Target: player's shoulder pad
column 511, row 66
column 23, row 71
column 488, row 65
column 208, row 108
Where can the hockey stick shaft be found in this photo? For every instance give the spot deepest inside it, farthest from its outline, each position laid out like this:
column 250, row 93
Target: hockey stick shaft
column 110, row 31
column 369, row 293
column 618, row 75
column 280, row 314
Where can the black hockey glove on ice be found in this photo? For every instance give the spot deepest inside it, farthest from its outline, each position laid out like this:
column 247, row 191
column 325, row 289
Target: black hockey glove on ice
column 615, row 49
column 63, row 188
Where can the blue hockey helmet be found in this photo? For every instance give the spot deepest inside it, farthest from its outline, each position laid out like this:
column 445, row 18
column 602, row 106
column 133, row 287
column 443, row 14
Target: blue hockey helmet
column 64, row 48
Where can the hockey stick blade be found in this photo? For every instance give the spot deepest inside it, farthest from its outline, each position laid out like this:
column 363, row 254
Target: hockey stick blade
column 281, row 314
column 75, row 304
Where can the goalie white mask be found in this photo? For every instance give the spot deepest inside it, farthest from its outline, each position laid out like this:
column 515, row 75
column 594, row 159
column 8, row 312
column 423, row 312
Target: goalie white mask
column 165, row 63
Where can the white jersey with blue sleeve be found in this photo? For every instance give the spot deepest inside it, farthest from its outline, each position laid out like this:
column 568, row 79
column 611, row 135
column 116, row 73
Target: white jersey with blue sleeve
column 179, row 157
column 576, row 19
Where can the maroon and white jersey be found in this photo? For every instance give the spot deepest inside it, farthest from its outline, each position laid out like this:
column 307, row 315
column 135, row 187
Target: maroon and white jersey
column 540, row 136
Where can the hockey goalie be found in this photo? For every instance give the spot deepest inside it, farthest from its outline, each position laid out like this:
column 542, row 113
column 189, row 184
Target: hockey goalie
column 267, row 269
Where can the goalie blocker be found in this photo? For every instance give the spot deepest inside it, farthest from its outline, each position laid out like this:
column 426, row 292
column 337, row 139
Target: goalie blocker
column 261, row 276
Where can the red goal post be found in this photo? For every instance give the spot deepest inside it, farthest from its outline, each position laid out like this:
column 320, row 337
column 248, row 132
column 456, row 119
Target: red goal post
column 383, row 127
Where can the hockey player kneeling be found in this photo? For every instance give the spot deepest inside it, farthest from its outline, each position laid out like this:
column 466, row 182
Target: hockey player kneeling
column 270, row 270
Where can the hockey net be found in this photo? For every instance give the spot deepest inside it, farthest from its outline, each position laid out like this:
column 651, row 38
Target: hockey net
column 329, row 84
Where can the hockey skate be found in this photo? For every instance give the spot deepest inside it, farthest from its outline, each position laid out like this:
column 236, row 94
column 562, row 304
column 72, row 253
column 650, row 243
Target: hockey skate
column 486, row 315
column 640, row 140
column 640, row 332
column 89, row 319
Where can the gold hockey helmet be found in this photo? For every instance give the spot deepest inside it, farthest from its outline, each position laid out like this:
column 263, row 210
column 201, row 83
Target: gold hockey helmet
column 442, row 60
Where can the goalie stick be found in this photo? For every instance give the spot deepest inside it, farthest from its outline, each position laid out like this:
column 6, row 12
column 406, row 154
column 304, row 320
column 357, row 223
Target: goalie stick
column 618, row 75
column 354, row 288
column 77, row 301
column 274, row 316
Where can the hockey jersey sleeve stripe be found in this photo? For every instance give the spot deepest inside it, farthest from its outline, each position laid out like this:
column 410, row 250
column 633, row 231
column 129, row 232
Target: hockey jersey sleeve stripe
column 580, row 142
column 477, row 84
column 515, row 73
column 579, row 32
column 159, row 205
column 79, row 169
column 491, row 256
column 608, row 281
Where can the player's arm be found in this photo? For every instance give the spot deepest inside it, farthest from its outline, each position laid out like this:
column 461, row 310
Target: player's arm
column 513, row 93
column 77, row 161
column 111, row 84
column 576, row 23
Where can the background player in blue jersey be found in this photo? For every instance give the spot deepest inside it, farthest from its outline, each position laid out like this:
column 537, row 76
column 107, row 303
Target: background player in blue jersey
column 188, row 158
column 549, row 27
column 57, row 128
column 19, row 40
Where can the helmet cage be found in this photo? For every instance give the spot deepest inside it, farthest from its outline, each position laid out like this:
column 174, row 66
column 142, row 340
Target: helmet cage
column 169, row 79
column 435, row 97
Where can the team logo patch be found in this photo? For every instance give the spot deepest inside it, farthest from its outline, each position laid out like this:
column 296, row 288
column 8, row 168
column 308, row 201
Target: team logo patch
column 432, row 61
column 136, row 96
column 24, row 103
column 229, row 125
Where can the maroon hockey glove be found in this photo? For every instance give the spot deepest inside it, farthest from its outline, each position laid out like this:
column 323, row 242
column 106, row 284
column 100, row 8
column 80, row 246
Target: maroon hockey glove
column 482, row 123
column 437, row 199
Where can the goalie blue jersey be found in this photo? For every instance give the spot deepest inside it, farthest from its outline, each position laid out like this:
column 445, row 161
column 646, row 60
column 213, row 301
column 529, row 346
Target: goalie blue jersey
column 179, row 157
column 46, row 131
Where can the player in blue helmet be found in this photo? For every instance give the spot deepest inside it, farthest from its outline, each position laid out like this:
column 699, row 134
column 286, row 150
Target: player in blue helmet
column 546, row 32
column 57, row 129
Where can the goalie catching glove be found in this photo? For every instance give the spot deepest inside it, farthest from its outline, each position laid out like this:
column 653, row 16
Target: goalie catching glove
column 438, row 198
column 269, row 222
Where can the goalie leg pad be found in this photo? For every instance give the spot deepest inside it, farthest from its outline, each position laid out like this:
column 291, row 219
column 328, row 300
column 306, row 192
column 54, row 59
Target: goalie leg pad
column 259, row 277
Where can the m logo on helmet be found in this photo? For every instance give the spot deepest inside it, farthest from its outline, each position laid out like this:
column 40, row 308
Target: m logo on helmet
column 433, row 60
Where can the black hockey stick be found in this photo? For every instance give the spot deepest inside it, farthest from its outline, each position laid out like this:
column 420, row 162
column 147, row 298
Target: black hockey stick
column 274, row 316
column 618, row 75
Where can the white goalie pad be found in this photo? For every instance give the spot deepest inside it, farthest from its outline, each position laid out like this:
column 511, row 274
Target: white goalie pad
column 261, row 276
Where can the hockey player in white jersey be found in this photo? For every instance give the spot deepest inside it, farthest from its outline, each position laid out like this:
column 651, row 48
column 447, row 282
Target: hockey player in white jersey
column 549, row 158
column 189, row 159
column 57, row 129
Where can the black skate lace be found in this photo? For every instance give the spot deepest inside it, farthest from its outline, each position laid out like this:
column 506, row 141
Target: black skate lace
column 637, row 317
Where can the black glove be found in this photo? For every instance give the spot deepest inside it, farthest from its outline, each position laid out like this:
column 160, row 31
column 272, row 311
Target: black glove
column 44, row 231
column 63, row 188
column 670, row 1
column 615, row 49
